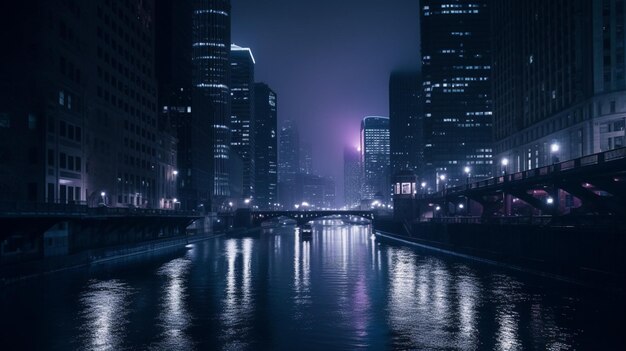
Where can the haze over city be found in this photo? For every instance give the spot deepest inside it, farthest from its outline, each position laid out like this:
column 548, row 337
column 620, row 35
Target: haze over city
column 329, row 62
column 312, row 175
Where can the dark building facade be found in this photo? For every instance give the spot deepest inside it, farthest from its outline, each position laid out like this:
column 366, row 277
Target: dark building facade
column 78, row 112
column 173, row 72
column 211, row 23
column 405, row 121
column 375, row 160
column 351, row 177
column 314, row 191
column 456, row 66
column 266, row 150
column 242, row 113
column 559, row 80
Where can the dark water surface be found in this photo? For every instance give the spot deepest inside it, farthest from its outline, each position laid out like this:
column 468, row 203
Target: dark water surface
column 340, row 290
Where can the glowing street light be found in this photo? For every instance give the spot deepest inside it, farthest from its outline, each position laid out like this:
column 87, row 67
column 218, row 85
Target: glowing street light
column 554, row 150
column 505, row 163
column 442, row 177
column 467, row 170
column 461, row 206
column 103, row 194
column 175, row 172
column 550, row 201
column 246, row 201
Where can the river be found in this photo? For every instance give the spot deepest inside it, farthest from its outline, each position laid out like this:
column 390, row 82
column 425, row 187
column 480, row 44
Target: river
column 342, row 289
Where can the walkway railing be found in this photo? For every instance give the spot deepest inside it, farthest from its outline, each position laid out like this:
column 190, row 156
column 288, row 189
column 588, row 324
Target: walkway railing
column 566, row 166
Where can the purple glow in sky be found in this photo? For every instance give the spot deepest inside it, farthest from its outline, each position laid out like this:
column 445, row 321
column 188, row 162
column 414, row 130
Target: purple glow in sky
column 329, row 62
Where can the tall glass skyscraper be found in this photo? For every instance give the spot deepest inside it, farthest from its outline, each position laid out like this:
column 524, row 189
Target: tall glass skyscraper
column 266, row 150
column 456, row 68
column 211, row 81
column 242, row 112
column 375, row 158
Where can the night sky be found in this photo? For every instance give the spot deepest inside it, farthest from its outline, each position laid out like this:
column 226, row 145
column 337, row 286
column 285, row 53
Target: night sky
column 329, row 62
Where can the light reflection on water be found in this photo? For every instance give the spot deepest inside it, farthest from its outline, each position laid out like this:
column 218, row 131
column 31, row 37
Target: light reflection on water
column 104, row 315
column 174, row 316
column 341, row 289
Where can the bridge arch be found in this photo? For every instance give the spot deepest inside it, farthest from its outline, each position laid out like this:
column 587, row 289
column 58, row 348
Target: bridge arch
column 302, row 217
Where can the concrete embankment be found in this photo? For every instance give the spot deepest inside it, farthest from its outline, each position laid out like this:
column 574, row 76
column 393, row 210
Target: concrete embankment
column 587, row 255
column 12, row 273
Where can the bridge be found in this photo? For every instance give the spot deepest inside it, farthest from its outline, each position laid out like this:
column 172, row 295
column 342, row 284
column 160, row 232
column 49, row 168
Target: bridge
column 302, row 217
column 594, row 184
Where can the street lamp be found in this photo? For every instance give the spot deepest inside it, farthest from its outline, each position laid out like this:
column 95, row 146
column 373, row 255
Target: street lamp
column 550, row 201
column 505, row 163
column 554, row 150
column 441, row 179
column 467, row 170
column 175, row 172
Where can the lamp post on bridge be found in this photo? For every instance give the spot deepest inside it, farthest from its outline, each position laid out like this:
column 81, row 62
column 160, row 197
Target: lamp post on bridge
column 554, row 152
column 505, row 163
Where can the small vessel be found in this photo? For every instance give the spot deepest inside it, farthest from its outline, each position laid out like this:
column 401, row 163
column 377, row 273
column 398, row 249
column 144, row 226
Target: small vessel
column 306, row 231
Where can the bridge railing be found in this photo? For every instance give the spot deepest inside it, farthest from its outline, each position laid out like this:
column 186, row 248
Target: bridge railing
column 565, row 166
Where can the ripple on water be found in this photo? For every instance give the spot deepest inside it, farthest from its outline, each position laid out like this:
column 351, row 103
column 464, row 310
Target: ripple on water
column 104, row 315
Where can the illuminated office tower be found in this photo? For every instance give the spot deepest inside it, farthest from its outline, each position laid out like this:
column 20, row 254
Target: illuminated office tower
column 242, row 121
column 211, row 94
column 375, row 158
column 456, row 69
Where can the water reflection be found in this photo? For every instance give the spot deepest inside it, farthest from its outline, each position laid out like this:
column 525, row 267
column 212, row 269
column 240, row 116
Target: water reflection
column 342, row 289
column 301, row 268
column 468, row 292
column 104, row 315
column 505, row 290
column 174, row 316
column 238, row 300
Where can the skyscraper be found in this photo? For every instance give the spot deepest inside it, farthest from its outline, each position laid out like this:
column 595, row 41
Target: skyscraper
column 288, row 161
column 456, row 68
column 211, row 82
column 306, row 158
column 78, row 115
column 242, row 113
column 559, row 80
column 375, row 158
column 351, row 177
column 405, row 121
column 266, row 150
